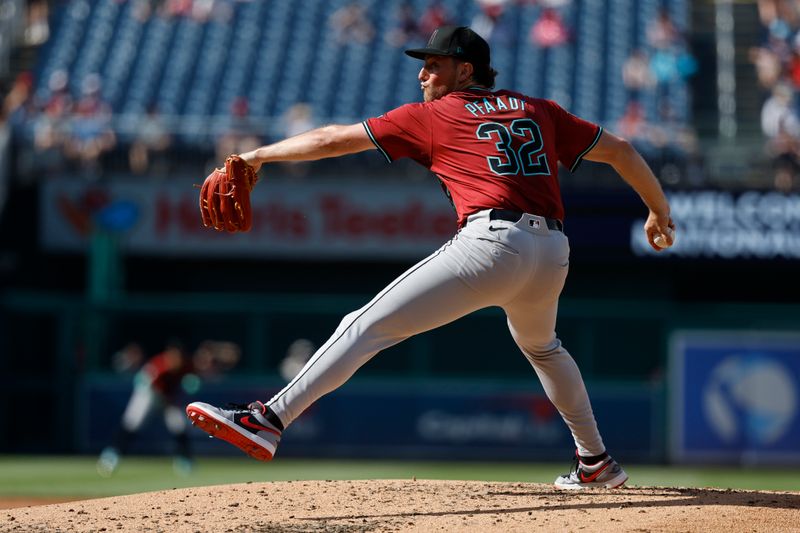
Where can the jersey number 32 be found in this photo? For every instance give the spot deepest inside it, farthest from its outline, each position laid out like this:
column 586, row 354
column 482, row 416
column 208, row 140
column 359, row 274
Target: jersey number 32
column 527, row 157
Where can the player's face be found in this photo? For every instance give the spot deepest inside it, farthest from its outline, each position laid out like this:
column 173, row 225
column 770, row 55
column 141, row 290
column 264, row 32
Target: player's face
column 438, row 76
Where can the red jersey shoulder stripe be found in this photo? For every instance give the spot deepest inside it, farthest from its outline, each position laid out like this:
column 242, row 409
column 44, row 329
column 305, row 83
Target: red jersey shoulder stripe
column 588, row 149
column 375, row 142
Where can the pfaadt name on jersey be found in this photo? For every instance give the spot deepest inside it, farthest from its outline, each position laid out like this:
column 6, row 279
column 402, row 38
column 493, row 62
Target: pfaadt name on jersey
column 495, row 104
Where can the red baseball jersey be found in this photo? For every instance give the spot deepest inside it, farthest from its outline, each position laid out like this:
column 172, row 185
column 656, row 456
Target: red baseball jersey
column 490, row 149
column 165, row 376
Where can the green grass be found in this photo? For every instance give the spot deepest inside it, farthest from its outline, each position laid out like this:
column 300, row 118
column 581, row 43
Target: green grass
column 75, row 477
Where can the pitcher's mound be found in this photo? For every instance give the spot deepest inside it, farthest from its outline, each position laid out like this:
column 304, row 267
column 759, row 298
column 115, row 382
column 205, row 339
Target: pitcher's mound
column 415, row 505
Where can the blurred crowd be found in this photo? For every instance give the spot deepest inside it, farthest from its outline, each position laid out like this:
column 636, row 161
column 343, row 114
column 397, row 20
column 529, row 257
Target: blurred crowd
column 199, row 10
column 66, row 123
column 80, row 134
column 670, row 144
column 64, row 131
column 777, row 64
column 548, row 30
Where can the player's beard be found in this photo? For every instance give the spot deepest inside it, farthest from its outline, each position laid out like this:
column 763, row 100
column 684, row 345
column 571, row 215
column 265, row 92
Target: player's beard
column 440, row 89
column 429, row 94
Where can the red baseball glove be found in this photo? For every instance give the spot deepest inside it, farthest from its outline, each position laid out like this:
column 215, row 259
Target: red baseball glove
column 225, row 196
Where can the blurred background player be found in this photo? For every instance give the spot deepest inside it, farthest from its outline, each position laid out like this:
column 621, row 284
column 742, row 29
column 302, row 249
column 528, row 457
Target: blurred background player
column 297, row 355
column 159, row 386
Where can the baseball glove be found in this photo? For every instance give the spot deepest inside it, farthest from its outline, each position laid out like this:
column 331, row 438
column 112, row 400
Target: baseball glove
column 225, row 196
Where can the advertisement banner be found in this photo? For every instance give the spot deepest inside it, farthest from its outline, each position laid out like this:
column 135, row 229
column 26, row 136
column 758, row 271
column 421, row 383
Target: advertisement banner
column 374, row 219
column 728, row 225
column 735, row 397
column 321, row 219
column 435, row 420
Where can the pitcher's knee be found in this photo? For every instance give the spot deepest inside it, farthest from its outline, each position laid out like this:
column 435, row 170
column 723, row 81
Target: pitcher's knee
column 373, row 325
column 544, row 351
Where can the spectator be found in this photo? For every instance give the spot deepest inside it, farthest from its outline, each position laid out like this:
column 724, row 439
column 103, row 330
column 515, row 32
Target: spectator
column 202, row 10
column 487, row 23
column 148, row 151
column 667, row 144
column 433, row 17
column 549, row 30
column 768, row 66
column 767, row 11
column 90, row 135
column 37, row 28
column 180, row 8
column 781, row 125
column 92, row 97
column 351, row 24
column 662, row 32
column 670, row 65
column 240, row 134
column 20, row 113
column 778, row 113
column 793, row 69
column 221, row 12
column 784, row 150
column 298, row 119
column 782, row 22
column 686, row 63
column 49, row 124
column 142, row 9
column 58, row 99
column 634, row 127
column 777, row 66
column 664, row 66
column 675, row 144
column 636, row 75
column 20, row 93
column 405, row 28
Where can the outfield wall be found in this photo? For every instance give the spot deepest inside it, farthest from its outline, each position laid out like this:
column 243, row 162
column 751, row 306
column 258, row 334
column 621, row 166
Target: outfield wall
column 443, row 419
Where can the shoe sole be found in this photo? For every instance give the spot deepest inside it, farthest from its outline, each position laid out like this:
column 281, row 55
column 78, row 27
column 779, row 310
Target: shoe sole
column 612, row 484
column 224, row 429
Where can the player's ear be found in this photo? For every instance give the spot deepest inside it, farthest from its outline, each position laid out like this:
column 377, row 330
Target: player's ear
column 465, row 71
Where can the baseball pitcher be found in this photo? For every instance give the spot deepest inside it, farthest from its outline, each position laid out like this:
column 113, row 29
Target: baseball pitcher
column 496, row 153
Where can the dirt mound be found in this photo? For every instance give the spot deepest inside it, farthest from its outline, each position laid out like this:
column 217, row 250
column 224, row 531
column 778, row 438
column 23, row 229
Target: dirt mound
column 415, row 505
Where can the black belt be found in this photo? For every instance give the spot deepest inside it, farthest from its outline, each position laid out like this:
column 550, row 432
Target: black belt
column 514, row 216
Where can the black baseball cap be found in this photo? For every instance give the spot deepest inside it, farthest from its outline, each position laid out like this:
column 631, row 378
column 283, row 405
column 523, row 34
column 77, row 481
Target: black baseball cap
column 455, row 41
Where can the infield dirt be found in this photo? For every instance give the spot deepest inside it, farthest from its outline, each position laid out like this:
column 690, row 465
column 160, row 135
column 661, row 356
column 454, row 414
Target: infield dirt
column 415, row 505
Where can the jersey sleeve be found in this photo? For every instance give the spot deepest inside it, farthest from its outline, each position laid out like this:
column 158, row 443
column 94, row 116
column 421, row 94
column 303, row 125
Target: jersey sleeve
column 575, row 137
column 155, row 367
column 402, row 132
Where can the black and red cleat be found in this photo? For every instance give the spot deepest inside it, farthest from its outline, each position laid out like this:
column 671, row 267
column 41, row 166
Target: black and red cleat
column 245, row 426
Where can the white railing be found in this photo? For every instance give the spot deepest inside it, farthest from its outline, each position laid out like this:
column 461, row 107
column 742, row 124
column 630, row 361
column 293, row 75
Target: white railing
column 12, row 27
column 5, row 177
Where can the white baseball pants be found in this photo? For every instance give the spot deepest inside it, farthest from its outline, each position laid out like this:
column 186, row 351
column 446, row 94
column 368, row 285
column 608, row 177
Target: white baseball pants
column 143, row 401
column 518, row 266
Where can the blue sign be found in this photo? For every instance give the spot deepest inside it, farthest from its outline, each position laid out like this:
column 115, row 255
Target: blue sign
column 735, row 397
